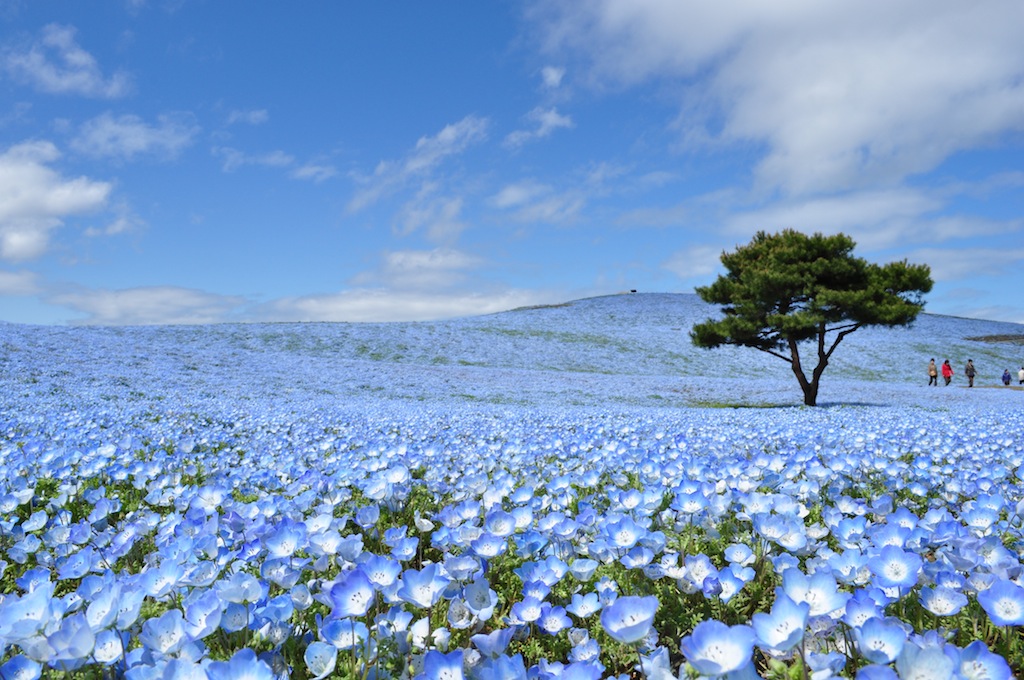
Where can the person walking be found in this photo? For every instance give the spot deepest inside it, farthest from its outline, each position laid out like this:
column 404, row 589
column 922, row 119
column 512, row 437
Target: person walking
column 1006, row 376
column 970, row 372
column 1020, row 376
column 933, row 373
column 947, row 372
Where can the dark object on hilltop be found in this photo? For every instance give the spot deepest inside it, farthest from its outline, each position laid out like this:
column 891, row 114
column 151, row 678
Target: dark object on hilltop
column 784, row 289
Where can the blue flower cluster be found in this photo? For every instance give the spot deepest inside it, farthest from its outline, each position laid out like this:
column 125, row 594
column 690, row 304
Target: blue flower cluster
column 166, row 513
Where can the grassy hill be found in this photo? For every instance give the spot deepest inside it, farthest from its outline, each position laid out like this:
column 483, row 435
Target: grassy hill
column 630, row 350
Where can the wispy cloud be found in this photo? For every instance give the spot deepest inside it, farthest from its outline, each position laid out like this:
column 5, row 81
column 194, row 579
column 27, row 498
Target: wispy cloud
column 439, row 217
column 128, row 136
column 534, row 202
column 424, row 157
column 552, row 76
column 316, row 172
column 546, row 122
column 57, row 64
column 694, row 261
column 966, row 262
column 877, row 219
column 436, row 269
column 249, row 116
column 148, row 305
column 18, row 283
column 380, row 304
column 35, row 199
column 838, row 97
column 233, row 159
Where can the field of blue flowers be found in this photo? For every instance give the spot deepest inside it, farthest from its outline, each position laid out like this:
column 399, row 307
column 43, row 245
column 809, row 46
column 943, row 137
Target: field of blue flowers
column 561, row 492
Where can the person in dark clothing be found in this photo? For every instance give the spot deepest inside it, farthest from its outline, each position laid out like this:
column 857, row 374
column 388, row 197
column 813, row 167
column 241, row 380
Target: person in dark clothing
column 970, row 372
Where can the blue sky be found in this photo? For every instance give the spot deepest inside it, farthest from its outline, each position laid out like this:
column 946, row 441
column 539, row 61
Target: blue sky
column 178, row 161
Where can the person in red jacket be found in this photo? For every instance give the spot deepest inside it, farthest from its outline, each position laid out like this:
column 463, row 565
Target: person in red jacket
column 947, row 371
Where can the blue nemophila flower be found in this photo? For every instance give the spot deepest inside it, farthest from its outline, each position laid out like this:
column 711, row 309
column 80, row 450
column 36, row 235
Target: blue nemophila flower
column 592, row 670
column 20, row 667
column 72, row 643
column 23, row 617
column 241, row 587
column 165, row 634
column 500, row 523
column 536, row 589
column 480, row 598
column 381, row 570
column 942, row 601
column 438, row 666
column 344, row 633
column 624, row 533
column 629, row 618
column 894, row 567
column 352, row 595
column 159, row 582
column 1004, row 603
column 203, row 610
column 876, row 671
column 405, row 548
column 243, row 665
column 285, row 538
column 109, row 647
column 819, row 590
column 782, row 628
column 927, row 662
column 526, row 610
column 501, row 668
column 493, row 644
column 489, row 545
column 880, row 640
column 459, row 615
column 423, row 588
column 320, row 659
column 716, row 649
column 584, row 606
column 553, row 619
column 978, row 663
column 77, row 565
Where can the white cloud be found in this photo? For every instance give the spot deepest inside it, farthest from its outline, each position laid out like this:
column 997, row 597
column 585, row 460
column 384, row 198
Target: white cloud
column 315, row 172
column 424, row 157
column 148, row 305
column 124, row 221
column 249, row 116
column 532, row 202
column 694, row 261
column 56, row 64
column 439, row 217
column 422, row 270
column 18, row 283
column 547, row 121
column 128, row 136
column 552, row 76
column 840, row 97
column 381, row 305
column 35, row 199
column 968, row 262
column 233, row 159
column 876, row 220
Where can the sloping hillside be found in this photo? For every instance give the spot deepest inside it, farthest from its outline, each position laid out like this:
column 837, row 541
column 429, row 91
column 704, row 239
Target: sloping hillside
column 629, row 349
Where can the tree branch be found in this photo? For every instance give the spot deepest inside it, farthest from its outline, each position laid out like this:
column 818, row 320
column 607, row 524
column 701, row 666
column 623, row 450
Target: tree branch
column 839, row 338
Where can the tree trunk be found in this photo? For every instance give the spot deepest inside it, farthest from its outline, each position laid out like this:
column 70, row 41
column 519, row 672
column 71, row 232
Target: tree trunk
column 810, row 388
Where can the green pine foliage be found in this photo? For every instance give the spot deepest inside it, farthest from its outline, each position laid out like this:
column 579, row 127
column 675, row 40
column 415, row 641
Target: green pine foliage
column 781, row 290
